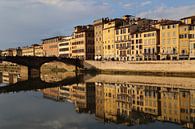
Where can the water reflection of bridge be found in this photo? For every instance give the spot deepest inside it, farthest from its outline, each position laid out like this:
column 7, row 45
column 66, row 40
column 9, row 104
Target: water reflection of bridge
column 37, row 83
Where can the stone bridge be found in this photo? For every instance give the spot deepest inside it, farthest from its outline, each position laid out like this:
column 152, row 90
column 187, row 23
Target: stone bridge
column 34, row 63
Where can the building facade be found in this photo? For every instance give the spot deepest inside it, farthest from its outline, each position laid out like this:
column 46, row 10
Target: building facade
column 192, row 41
column 109, row 50
column 98, row 37
column 65, row 47
column 169, row 40
column 83, row 42
column 123, row 41
column 151, row 44
column 50, row 46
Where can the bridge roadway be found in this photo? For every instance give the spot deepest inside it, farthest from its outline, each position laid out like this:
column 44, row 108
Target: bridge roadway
column 37, row 83
column 36, row 62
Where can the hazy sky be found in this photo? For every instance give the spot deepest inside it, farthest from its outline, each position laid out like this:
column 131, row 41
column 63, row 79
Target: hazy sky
column 24, row 22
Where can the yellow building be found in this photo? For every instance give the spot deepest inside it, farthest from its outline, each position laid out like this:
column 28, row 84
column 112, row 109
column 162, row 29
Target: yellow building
column 151, row 42
column 123, row 41
column 109, row 50
column 169, row 40
column 98, row 37
column 83, row 42
column 192, row 41
column 188, row 20
column 184, row 45
column 136, row 46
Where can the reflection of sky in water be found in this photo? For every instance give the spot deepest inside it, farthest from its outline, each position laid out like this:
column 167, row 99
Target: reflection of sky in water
column 29, row 111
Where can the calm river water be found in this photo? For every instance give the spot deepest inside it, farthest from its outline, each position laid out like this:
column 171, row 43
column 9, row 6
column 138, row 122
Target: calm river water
column 97, row 102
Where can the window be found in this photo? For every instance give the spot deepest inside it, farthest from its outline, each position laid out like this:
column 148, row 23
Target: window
column 108, row 47
column 124, row 30
column 117, row 32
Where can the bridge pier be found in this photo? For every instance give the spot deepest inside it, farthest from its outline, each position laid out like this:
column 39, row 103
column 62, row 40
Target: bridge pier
column 33, row 73
column 27, row 73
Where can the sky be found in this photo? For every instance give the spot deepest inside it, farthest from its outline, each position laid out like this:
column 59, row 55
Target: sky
column 25, row 22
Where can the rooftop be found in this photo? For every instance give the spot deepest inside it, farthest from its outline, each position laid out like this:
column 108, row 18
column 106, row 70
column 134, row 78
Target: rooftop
column 193, row 17
column 56, row 37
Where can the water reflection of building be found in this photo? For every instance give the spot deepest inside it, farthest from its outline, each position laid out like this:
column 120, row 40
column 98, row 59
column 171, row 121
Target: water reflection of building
column 133, row 103
column 118, row 101
column 1, row 80
column 99, row 95
column 124, row 100
column 9, row 78
column 84, row 97
column 52, row 93
column 110, row 104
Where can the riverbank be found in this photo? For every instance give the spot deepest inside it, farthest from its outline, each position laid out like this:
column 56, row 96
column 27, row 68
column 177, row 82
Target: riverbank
column 158, row 68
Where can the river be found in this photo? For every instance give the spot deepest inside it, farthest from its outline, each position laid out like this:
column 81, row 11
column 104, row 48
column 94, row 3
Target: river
column 96, row 102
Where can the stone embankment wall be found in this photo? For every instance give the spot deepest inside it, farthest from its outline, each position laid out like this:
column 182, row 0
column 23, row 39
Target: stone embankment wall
column 144, row 66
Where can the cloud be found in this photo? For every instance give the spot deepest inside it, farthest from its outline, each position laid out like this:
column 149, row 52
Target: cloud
column 169, row 12
column 24, row 22
column 146, row 3
column 127, row 5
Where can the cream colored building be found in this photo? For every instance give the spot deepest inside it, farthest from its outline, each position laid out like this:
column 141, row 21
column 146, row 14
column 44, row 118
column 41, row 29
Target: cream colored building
column 38, row 50
column 28, row 51
column 65, row 47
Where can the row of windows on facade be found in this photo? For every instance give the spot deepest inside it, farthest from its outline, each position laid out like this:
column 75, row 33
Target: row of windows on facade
column 123, row 31
column 53, row 46
column 82, row 35
column 64, row 49
column 122, row 46
column 191, row 27
column 169, row 34
column 168, row 26
column 98, row 33
column 63, row 44
column 89, row 50
column 51, row 41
